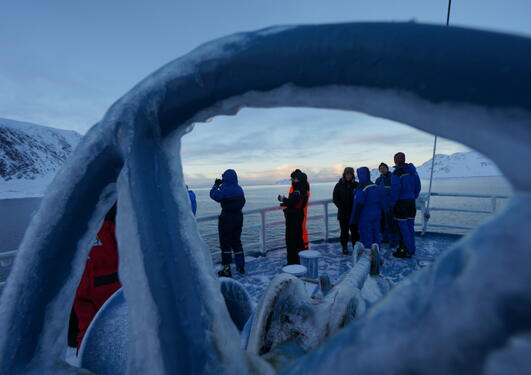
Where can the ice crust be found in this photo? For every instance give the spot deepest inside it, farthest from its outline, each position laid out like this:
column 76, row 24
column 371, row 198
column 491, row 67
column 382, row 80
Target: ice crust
column 467, row 85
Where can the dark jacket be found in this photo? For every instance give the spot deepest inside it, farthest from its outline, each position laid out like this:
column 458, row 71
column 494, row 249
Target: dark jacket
column 367, row 199
column 297, row 199
column 229, row 194
column 343, row 197
column 405, row 183
column 384, row 184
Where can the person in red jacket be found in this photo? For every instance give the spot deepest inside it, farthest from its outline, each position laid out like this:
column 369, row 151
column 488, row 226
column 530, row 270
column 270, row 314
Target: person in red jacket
column 100, row 278
column 294, row 213
column 304, row 181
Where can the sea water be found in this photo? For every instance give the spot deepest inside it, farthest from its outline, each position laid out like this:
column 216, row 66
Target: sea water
column 21, row 210
column 266, row 196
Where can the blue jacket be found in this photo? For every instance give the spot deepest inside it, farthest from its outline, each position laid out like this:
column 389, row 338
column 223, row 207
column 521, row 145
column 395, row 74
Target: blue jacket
column 384, row 184
column 405, row 183
column 229, row 193
column 193, row 201
column 367, row 198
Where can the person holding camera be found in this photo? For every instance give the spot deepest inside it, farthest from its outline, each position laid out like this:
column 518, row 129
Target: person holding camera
column 294, row 205
column 229, row 194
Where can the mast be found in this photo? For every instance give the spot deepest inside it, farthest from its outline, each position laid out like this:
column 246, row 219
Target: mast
column 427, row 212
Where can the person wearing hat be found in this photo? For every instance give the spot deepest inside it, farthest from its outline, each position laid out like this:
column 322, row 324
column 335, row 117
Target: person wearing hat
column 294, row 205
column 343, row 197
column 304, row 181
column 388, row 223
column 405, row 189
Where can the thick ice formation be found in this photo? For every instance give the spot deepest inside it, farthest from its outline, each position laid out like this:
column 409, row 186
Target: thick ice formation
column 466, row 85
column 104, row 347
column 287, row 316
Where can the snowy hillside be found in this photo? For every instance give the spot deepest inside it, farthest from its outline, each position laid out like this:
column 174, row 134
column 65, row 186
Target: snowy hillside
column 460, row 164
column 30, row 155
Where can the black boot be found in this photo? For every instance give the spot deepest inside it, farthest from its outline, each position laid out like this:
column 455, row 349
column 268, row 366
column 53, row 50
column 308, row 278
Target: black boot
column 225, row 272
column 344, row 248
column 402, row 253
column 241, row 270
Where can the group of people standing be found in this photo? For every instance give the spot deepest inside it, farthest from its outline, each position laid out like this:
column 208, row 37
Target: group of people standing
column 383, row 211
column 369, row 212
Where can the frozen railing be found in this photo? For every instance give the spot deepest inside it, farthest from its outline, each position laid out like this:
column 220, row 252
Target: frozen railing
column 270, row 242
column 276, row 239
column 267, row 242
column 426, row 213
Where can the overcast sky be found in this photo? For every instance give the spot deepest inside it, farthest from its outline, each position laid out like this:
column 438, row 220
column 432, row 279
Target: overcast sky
column 64, row 62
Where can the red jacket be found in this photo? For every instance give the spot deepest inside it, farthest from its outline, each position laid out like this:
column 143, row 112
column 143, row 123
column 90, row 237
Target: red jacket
column 99, row 280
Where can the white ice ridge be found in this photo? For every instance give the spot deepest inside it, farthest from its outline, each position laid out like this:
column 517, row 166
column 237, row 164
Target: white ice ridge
column 467, row 85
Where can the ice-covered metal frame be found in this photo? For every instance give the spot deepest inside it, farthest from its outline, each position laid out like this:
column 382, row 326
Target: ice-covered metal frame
column 467, row 85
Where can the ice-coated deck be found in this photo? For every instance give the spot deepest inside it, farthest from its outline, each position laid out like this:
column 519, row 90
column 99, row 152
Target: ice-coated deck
column 261, row 270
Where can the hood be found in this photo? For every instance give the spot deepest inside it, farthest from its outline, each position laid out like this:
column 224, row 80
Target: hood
column 407, row 168
column 364, row 175
column 230, row 177
column 410, row 168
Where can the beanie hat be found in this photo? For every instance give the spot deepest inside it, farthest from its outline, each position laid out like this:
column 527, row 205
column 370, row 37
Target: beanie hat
column 297, row 173
column 383, row 165
column 400, row 158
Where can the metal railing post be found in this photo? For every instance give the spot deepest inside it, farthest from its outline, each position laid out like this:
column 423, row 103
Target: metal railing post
column 263, row 232
column 326, row 221
column 425, row 215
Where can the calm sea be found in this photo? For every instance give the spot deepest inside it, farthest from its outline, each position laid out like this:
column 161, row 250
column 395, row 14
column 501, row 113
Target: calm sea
column 265, row 196
column 21, row 210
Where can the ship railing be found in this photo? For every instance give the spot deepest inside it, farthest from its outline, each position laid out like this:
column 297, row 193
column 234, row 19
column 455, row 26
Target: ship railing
column 426, row 212
column 269, row 242
column 275, row 240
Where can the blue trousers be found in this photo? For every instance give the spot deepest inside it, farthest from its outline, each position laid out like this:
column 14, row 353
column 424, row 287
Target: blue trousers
column 369, row 231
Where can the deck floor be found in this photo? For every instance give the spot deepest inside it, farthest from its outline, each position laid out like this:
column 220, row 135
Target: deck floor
column 261, row 270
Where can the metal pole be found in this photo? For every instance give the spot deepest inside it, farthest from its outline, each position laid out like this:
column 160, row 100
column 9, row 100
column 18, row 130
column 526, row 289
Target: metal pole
column 427, row 213
column 448, row 13
column 326, row 220
column 263, row 231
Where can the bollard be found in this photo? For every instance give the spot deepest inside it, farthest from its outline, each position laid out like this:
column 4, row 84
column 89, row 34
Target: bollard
column 295, row 269
column 310, row 260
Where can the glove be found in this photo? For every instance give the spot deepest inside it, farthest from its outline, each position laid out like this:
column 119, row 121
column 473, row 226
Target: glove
column 280, row 198
column 218, row 181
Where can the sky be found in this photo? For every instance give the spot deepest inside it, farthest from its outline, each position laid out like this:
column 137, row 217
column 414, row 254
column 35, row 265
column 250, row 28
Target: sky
column 64, row 62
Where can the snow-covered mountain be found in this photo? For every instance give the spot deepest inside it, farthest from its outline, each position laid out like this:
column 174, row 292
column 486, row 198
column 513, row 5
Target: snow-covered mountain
column 458, row 165
column 30, row 155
